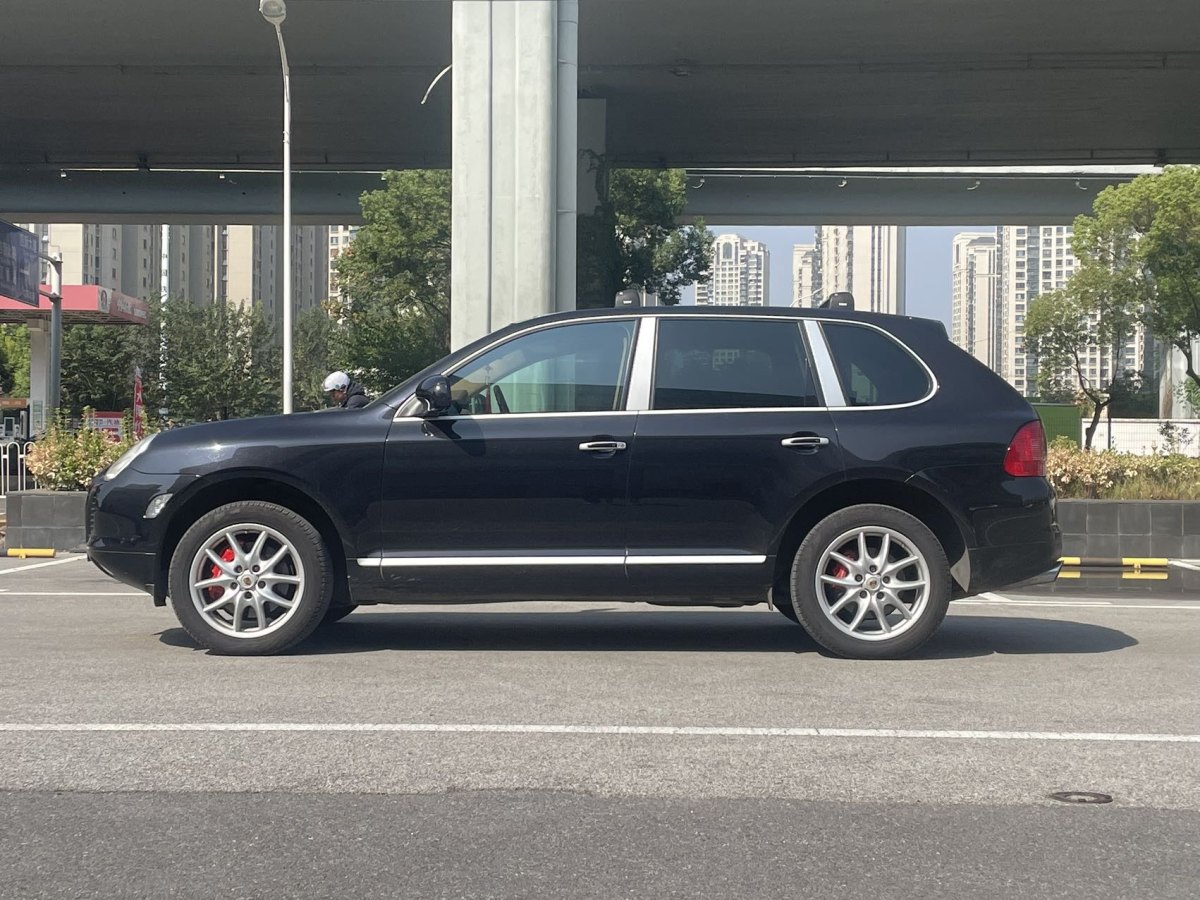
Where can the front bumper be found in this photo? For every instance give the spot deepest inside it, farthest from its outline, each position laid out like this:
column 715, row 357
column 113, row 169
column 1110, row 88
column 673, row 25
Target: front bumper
column 137, row 570
column 120, row 540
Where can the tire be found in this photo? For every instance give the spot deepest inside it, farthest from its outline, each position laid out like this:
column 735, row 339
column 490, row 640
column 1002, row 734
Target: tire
column 280, row 571
column 337, row 613
column 829, row 579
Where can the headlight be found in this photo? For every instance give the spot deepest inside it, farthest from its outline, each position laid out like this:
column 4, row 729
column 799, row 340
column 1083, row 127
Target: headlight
column 127, row 457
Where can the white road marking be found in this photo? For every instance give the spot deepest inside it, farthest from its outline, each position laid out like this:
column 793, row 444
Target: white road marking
column 666, row 730
column 1183, row 564
column 54, row 562
column 982, row 600
column 17, row 592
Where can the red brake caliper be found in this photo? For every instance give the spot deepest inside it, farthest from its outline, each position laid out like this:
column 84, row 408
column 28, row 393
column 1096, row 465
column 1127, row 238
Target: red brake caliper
column 841, row 571
column 216, row 590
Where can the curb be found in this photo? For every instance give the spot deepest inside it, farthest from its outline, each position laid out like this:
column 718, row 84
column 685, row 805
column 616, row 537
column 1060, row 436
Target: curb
column 1136, row 562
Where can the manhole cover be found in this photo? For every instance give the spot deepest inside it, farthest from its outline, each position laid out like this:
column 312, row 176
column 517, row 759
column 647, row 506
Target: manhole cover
column 1081, row 797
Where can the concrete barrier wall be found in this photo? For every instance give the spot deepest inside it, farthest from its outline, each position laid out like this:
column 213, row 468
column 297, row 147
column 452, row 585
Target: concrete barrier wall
column 46, row 519
column 1114, row 528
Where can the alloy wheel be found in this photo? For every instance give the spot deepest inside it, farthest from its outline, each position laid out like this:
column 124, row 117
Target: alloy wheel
column 246, row 580
column 872, row 583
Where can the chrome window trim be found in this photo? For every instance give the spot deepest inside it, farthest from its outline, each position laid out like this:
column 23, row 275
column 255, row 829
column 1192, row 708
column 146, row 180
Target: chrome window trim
column 711, row 410
column 822, row 359
column 815, row 348
column 533, row 415
column 933, row 382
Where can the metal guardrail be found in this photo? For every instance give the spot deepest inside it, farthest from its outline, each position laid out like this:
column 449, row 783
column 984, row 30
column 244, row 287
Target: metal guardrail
column 14, row 476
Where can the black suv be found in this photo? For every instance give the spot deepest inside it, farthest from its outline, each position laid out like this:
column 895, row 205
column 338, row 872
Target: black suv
column 856, row 471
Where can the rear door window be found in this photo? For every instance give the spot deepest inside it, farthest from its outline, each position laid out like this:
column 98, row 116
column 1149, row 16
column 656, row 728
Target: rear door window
column 721, row 363
column 873, row 368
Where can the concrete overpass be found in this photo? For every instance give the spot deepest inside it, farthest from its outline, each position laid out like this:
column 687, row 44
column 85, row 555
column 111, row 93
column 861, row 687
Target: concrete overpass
column 144, row 87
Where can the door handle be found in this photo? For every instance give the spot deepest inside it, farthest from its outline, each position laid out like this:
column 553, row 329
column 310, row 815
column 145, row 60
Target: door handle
column 811, row 442
column 602, row 446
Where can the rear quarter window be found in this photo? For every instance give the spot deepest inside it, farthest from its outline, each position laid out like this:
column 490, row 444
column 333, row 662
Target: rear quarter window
column 873, row 368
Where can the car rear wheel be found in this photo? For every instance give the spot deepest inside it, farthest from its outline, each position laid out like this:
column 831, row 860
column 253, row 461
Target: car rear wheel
column 250, row 578
column 870, row 582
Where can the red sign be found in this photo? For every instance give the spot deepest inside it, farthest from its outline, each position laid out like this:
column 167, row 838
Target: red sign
column 139, row 424
column 110, row 421
column 82, row 303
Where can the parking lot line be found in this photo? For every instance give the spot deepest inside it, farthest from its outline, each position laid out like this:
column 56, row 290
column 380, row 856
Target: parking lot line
column 663, row 730
column 55, row 562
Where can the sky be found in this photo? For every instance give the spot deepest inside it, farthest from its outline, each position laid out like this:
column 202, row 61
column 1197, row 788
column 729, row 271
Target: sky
column 927, row 266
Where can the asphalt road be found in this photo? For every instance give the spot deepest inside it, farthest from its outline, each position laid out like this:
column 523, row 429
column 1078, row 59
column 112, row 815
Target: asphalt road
column 607, row 751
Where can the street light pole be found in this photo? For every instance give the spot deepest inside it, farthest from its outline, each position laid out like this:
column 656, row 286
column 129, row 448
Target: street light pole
column 275, row 11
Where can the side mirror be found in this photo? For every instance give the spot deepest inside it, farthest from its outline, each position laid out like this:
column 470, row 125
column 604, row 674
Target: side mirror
column 434, row 392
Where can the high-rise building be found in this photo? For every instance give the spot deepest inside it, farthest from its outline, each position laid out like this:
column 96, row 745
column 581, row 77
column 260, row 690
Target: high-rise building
column 740, row 273
column 340, row 238
column 866, row 260
column 804, row 272
column 190, row 262
column 124, row 258
column 976, row 323
column 249, row 259
column 1033, row 260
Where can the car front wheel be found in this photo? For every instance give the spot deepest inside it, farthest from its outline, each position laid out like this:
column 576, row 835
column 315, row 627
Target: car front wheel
column 250, row 578
column 870, row 582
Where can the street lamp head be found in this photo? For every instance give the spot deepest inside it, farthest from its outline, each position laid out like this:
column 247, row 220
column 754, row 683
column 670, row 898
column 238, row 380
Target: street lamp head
column 274, row 11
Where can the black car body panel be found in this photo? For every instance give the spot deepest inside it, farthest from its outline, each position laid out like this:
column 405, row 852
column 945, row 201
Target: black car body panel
column 489, row 507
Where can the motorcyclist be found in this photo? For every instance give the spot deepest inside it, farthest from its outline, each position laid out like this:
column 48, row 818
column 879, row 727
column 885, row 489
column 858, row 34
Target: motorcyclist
column 343, row 392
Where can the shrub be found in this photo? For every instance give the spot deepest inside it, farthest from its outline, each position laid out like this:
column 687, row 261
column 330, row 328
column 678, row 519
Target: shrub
column 1107, row 475
column 66, row 459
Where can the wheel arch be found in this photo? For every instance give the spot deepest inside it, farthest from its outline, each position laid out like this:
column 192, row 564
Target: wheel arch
column 899, row 494
column 212, row 493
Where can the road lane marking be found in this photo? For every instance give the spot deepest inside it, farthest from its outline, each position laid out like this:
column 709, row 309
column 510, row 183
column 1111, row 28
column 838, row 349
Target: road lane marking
column 56, row 562
column 1073, row 604
column 666, row 730
column 1185, row 565
column 13, row 593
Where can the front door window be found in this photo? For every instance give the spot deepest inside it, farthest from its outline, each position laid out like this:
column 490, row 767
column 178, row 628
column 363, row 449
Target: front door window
column 570, row 368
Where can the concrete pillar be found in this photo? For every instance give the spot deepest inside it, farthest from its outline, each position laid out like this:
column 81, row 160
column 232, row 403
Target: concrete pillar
column 506, row 207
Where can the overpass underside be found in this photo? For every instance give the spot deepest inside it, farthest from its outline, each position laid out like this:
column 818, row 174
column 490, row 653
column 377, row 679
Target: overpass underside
column 120, row 98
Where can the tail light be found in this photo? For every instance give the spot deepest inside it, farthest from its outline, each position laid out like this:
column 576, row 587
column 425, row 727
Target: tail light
column 1026, row 456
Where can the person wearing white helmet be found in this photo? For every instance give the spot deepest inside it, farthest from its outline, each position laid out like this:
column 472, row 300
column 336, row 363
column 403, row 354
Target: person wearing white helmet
column 343, row 392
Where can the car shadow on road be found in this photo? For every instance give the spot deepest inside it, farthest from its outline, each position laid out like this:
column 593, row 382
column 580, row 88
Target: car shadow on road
column 678, row 631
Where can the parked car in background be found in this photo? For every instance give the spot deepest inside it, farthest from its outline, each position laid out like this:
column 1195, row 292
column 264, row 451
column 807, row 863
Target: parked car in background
column 856, row 471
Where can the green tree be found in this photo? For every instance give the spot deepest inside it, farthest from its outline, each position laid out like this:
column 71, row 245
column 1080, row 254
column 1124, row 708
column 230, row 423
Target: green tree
column 316, row 350
column 1065, row 328
column 213, row 361
column 395, row 281
column 97, row 366
column 1143, row 241
column 634, row 237
column 14, row 360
